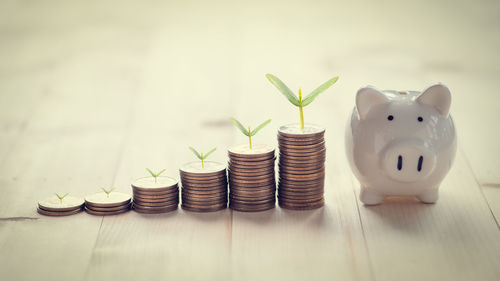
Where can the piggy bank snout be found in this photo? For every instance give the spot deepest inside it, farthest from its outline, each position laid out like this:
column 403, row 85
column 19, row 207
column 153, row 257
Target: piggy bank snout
column 408, row 160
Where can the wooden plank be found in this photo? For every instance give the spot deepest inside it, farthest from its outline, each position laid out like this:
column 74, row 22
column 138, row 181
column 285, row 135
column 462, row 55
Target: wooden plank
column 299, row 245
column 454, row 239
column 166, row 120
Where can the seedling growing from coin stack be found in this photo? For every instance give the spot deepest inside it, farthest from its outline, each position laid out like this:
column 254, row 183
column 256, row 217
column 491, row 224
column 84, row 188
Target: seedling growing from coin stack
column 207, row 182
column 298, row 101
column 200, row 155
column 107, row 191
column 61, row 197
column 155, row 175
column 249, row 133
column 302, row 153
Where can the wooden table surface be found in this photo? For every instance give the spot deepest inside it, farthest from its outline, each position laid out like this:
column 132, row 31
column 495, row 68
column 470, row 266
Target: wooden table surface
column 93, row 92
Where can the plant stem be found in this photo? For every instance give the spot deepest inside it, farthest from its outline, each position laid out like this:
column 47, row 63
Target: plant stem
column 202, row 160
column 249, row 137
column 301, row 110
column 155, row 178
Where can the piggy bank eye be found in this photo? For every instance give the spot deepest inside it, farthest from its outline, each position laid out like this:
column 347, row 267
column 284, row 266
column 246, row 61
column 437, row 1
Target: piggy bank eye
column 390, row 117
column 420, row 119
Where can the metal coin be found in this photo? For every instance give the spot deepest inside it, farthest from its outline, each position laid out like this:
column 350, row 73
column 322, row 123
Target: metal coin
column 257, row 150
column 154, row 210
column 58, row 213
column 256, row 208
column 294, row 130
column 203, row 210
column 101, row 199
column 99, row 213
column 209, row 168
column 149, row 184
column 109, row 209
column 68, row 203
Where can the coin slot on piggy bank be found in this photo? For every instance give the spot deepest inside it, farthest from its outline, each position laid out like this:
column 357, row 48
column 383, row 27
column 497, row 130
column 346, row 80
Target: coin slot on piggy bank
column 401, row 143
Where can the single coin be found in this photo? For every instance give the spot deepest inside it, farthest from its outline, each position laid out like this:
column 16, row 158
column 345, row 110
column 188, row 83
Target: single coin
column 155, row 211
column 257, row 150
column 99, row 213
column 158, row 201
column 68, row 203
column 249, row 208
column 209, row 168
column 203, row 210
column 295, row 153
column 294, row 130
column 58, row 213
column 204, row 196
column 155, row 205
column 267, row 177
column 221, row 184
column 302, row 142
column 152, row 184
column 308, row 206
column 102, row 199
column 141, row 208
column 201, row 179
column 109, row 209
column 302, row 146
column 302, row 177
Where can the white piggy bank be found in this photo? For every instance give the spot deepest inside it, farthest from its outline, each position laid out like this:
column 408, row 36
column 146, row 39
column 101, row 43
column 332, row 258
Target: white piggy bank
column 401, row 143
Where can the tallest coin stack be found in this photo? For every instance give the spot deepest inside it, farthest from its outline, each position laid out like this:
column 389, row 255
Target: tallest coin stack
column 301, row 167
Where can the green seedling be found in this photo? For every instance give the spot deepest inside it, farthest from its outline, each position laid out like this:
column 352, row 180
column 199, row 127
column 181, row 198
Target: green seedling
column 61, row 197
column 107, row 191
column 249, row 133
column 155, row 175
column 201, row 156
column 298, row 101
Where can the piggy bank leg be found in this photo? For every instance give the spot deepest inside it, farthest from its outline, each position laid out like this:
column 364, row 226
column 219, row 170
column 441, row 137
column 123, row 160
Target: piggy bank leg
column 430, row 196
column 370, row 197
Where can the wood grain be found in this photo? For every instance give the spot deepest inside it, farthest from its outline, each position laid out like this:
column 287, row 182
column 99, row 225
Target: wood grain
column 92, row 93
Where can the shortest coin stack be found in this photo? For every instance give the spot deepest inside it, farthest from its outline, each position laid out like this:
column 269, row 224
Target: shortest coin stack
column 204, row 189
column 102, row 204
column 53, row 206
column 152, row 196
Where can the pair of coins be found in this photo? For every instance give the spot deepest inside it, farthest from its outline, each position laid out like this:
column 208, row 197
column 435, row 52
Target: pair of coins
column 53, row 206
column 301, row 167
column 155, row 195
column 204, row 189
column 105, row 204
column 252, row 182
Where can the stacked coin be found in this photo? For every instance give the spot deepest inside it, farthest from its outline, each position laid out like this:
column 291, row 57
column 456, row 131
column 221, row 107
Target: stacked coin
column 104, row 204
column 155, row 195
column 204, row 189
column 252, row 181
column 53, row 206
column 301, row 167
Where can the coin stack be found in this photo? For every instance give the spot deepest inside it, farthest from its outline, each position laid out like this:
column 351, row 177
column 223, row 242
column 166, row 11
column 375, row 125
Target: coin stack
column 301, row 167
column 252, row 181
column 155, row 195
column 204, row 189
column 53, row 206
column 104, row 204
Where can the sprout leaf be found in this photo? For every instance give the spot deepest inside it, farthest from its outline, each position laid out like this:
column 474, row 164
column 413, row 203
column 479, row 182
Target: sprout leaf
column 283, row 89
column 239, row 125
column 309, row 98
column 260, row 127
column 195, row 152
column 210, row 152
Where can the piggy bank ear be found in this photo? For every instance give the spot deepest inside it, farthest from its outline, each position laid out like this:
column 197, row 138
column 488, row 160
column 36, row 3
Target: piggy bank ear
column 437, row 96
column 367, row 98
